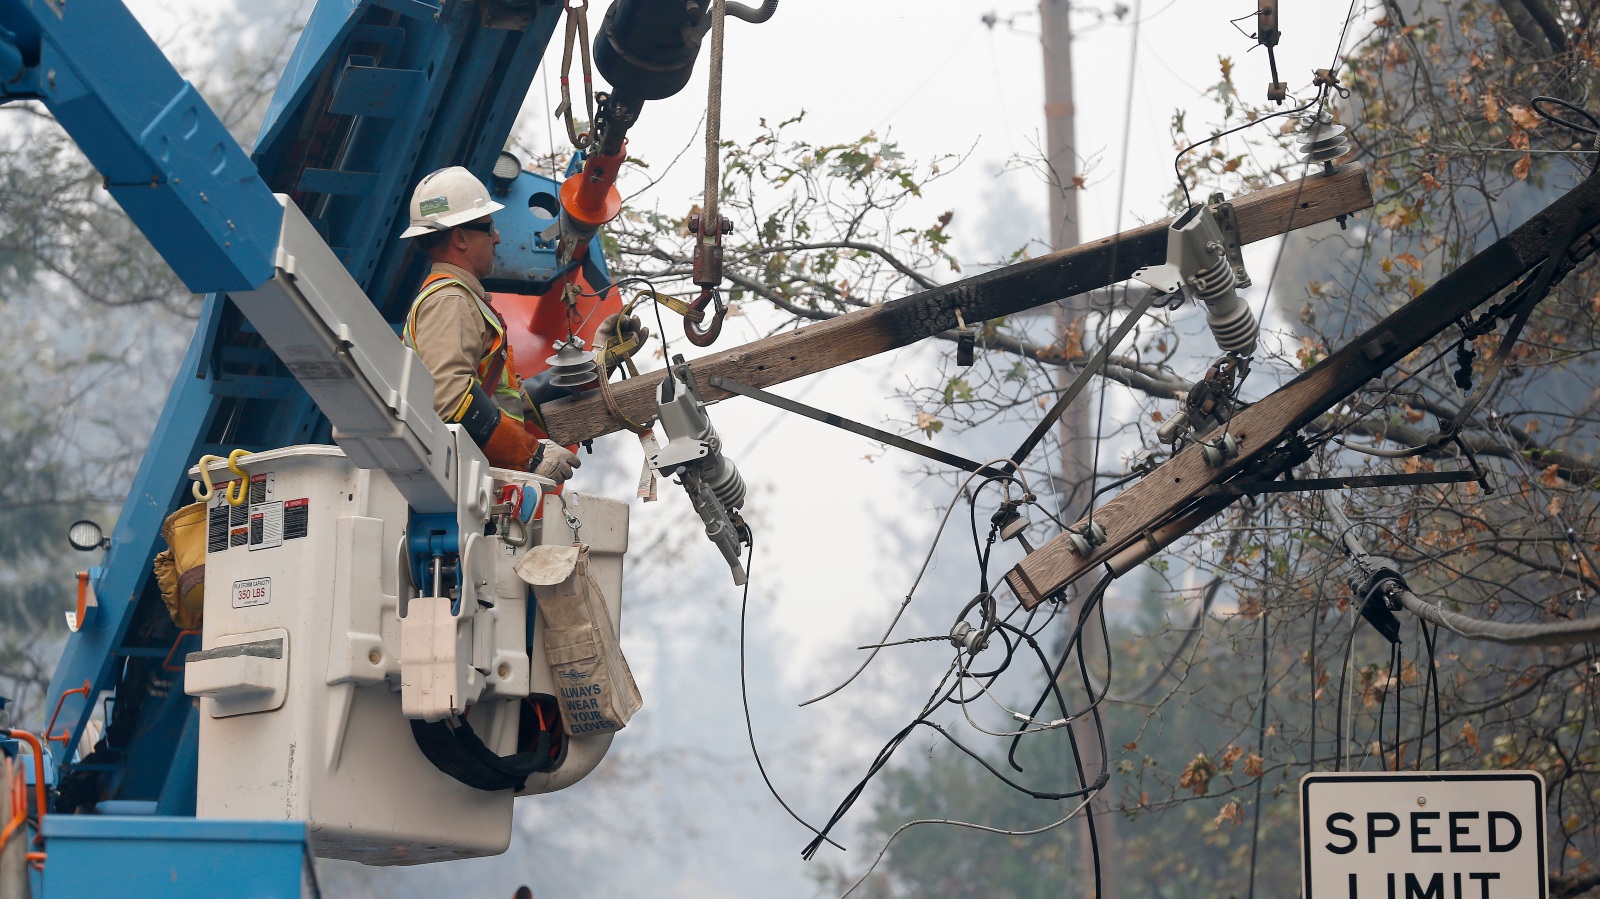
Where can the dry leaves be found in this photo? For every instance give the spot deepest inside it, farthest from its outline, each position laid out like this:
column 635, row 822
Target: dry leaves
column 1196, row 776
column 1230, row 755
column 1525, row 118
column 1231, row 813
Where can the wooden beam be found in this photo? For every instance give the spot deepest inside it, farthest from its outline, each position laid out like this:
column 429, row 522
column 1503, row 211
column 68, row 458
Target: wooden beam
column 1141, row 513
column 1015, row 288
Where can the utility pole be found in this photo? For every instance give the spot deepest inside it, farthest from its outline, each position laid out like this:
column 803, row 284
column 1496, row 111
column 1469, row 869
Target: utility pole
column 1077, row 424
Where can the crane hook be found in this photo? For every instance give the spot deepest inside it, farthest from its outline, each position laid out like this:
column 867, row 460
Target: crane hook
column 708, row 336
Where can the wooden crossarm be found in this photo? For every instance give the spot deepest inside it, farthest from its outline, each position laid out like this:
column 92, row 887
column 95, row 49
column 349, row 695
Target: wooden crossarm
column 993, row 294
column 1146, row 507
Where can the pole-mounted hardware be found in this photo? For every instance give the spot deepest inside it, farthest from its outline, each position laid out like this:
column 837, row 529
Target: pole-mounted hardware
column 694, row 453
column 1267, row 35
column 1087, row 537
column 1376, row 581
column 1140, row 516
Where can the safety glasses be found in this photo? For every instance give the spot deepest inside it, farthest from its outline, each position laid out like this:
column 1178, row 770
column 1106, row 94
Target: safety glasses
column 485, row 227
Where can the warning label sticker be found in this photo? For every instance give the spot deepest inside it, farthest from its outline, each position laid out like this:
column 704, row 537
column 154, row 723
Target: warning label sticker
column 262, row 522
column 238, row 525
column 216, row 529
column 256, row 591
column 296, row 515
column 262, row 487
column 266, row 526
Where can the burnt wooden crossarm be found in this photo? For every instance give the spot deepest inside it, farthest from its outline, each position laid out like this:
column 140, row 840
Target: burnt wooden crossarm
column 1144, row 513
column 1006, row 291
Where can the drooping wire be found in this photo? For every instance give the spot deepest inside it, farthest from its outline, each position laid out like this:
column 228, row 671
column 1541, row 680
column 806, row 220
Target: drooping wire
column 1090, row 602
column 1077, row 762
column 1341, row 701
column 1311, row 656
column 1430, row 687
column 983, row 827
column 894, row 743
column 1590, row 130
column 941, row 696
column 744, row 699
column 1261, row 750
column 926, row 561
column 1398, row 679
column 1177, row 160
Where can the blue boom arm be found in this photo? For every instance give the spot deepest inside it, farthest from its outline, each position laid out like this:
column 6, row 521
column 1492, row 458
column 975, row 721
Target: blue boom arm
column 376, row 94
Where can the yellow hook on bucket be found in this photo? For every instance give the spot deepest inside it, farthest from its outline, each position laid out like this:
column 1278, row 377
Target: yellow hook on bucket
column 234, row 499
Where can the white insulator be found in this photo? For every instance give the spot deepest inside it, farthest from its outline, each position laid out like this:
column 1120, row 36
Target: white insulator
column 1234, row 326
column 726, row 482
column 1227, row 314
column 1211, row 283
column 1323, row 141
column 572, row 365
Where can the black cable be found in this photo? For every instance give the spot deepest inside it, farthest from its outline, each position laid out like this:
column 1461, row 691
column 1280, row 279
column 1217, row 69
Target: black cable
column 1398, row 678
column 1077, row 761
column 888, row 750
column 1090, row 602
column 744, row 697
column 1338, row 708
column 1581, row 129
column 1316, row 617
column 894, row 742
column 1176, row 160
column 1438, row 722
column 1383, row 706
column 1261, row 751
column 1570, row 107
column 1044, row 663
column 1427, row 684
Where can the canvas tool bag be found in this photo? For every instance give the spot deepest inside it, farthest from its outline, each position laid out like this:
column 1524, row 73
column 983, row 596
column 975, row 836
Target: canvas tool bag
column 593, row 683
column 181, row 568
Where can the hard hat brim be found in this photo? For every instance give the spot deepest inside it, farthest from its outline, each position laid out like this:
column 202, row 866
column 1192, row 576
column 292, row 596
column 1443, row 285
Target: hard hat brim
column 445, row 223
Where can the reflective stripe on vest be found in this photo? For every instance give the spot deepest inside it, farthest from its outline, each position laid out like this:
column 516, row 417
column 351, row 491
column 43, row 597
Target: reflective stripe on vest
column 497, row 364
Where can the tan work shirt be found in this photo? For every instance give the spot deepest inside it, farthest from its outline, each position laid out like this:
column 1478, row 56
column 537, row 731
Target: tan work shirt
column 452, row 336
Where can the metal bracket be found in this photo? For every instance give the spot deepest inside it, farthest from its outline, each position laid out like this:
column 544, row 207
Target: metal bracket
column 1375, row 580
column 1228, row 221
column 854, row 427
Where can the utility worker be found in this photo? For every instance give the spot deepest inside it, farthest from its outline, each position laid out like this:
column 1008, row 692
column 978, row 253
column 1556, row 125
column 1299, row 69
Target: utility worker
column 460, row 337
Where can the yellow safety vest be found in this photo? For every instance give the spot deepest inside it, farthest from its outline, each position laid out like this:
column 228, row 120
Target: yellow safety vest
column 497, row 365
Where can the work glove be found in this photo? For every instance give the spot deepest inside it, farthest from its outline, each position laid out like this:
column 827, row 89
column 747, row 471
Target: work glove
column 510, row 445
column 625, row 330
column 554, row 461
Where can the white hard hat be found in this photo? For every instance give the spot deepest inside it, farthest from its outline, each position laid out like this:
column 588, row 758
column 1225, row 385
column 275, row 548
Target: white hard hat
column 447, row 198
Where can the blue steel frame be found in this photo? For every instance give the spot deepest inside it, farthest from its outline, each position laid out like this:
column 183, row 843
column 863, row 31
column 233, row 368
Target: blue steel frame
column 175, row 858
column 376, row 94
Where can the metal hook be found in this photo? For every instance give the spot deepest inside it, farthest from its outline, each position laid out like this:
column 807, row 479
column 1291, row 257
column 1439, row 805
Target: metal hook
column 710, row 334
